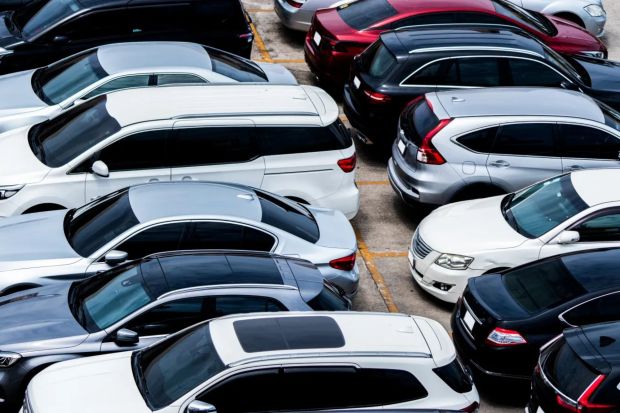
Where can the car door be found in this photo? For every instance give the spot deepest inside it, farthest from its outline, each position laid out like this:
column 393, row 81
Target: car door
column 218, row 150
column 523, row 153
column 149, row 22
column 585, row 146
column 133, row 159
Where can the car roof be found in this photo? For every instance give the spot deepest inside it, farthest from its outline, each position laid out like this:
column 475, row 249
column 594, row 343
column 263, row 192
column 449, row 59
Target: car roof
column 407, row 6
column 461, row 38
column 517, row 101
column 244, row 338
column 169, row 199
column 191, row 102
column 597, row 186
column 598, row 345
column 151, row 56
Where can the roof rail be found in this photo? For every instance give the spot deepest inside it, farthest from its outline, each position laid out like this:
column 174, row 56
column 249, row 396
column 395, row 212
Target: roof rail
column 224, row 286
column 456, row 26
column 476, row 48
column 240, row 114
column 282, row 356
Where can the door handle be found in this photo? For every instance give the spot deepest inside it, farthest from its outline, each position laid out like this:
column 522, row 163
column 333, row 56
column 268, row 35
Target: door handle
column 186, row 178
column 575, row 167
column 500, row 164
column 153, row 180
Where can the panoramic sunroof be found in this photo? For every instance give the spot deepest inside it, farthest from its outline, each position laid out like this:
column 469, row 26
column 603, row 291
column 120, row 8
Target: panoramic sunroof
column 288, row 333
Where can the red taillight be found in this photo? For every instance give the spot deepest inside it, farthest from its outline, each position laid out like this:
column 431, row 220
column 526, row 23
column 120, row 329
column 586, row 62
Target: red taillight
column 377, row 97
column 502, row 337
column 472, row 408
column 294, row 3
column 345, row 263
column 348, row 164
column 584, row 405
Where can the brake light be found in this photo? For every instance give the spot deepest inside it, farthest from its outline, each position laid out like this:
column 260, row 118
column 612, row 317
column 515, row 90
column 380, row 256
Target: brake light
column 501, row 337
column 348, row 164
column 472, row 408
column 427, row 153
column 377, row 97
column 584, row 404
column 294, row 3
column 247, row 36
column 345, row 263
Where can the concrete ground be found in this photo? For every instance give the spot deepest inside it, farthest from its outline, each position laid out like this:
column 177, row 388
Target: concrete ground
column 384, row 225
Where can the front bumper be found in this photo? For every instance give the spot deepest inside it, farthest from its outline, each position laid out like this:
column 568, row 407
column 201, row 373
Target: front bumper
column 595, row 25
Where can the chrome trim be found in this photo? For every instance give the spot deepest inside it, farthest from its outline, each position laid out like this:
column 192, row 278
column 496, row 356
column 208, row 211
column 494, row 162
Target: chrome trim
column 487, row 48
column 223, row 286
column 420, row 248
column 289, row 356
column 561, row 316
column 471, row 311
column 241, row 114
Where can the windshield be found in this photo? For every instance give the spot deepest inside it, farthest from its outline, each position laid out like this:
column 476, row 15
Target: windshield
column 289, row 216
column 61, row 80
column 107, row 298
column 169, row 369
column 612, row 117
column 362, row 14
column 234, row 67
column 59, row 140
column 528, row 18
column 567, row 64
column 92, row 226
column 53, row 12
column 541, row 207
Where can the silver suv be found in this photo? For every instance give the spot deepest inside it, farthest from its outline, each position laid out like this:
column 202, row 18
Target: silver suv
column 465, row 144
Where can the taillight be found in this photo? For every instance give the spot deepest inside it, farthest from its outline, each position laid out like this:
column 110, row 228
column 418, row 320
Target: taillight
column 247, row 36
column 348, row 164
column 501, row 337
column 377, row 97
column 345, row 263
column 584, row 405
column 427, row 153
column 294, row 3
column 472, row 408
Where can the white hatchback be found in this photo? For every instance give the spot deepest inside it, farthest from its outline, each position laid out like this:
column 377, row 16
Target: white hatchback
column 567, row 213
column 285, row 139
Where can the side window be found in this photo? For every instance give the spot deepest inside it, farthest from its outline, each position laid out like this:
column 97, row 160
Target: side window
column 600, row 228
column 161, row 238
column 428, row 18
column 282, row 140
column 430, row 75
column 525, row 139
column 104, row 24
column 222, row 235
column 226, row 305
column 480, row 140
column 586, row 142
column 212, row 145
column 479, row 71
column 529, row 73
column 477, row 18
column 178, row 78
column 125, row 82
column 144, row 150
column 157, row 20
column 599, row 310
column 170, row 317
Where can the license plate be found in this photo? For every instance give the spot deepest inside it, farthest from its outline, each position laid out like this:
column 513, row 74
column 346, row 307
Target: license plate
column 411, row 259
column 401, row 146
column 317, row 38
column 469, row 321
column 356, row 82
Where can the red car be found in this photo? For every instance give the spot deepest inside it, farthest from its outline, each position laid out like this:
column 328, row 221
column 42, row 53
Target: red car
column 340, row 33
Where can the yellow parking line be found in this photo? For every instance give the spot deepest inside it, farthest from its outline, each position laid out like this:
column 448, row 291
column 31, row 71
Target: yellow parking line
column 260, row 10
column 367, row 256
column 388, row 254
column 386, row 182
column 343, row 118
column 260, row 45
column 288, row 61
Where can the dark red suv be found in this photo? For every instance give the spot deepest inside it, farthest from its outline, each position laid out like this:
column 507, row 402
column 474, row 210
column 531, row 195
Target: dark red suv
column 340, row 33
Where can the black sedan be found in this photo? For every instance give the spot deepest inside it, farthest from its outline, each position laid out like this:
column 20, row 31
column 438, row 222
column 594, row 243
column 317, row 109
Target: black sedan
column 502, row 320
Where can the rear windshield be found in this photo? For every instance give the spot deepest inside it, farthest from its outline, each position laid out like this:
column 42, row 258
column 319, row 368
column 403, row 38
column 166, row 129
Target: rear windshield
column 328, row 300
column 455, row 376
column 567, row 371
column 417, row 121
column 364, row 13
column 288, row 216
column 382, row 62
column 59, row 140
column 234, row 67
column 283, row 140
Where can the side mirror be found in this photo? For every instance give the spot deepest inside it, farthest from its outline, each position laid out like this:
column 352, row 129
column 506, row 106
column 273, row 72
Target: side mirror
column 99, row 168
column 115, row 257
column 126, row 337
column 200, row 407
column 567, row 237
column 61, row 39
column 569, row 85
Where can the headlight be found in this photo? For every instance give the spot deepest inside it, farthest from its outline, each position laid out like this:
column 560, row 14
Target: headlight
column 8, row 191
column 453, row 261
column 595, row 10
column 593, row 53
column 7, row 359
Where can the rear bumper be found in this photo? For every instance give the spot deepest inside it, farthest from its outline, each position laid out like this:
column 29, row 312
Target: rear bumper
column 347, row 280
column 293, row 18
column 378, row 124
column 346, row 200
column 331, row 68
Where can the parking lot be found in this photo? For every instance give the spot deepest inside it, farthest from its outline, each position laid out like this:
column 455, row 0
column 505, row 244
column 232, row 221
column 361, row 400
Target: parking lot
column 384, row 224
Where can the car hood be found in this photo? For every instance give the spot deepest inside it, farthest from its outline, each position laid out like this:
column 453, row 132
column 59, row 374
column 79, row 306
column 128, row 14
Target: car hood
column 579, row 38
column 76, row 385
column 7, row 39
column 14, row 145
column 604, row 74
column 469, row 227
column 277, row 73
column 34, row 241
column 335, row 231
column 23, row 99
column 39, row 319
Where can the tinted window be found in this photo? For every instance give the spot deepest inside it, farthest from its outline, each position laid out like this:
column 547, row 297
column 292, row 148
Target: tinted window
column 364, row 13
column 568, row 372
column 92, row 226
column 169, row 317
column 587, row 142
column 59, row 140
column 94, row 26
column 160, row 238
column 382, row 62
column 455, row 376
column 480, row 71
column 293, row 139
column 222, row 235
column 599, row 310
column 479, row 141
column 172, row 367
column 601, row 228
column 178, row 78
column 417, row 121
column 48, row 15
column 288, row 216
column 125, row 82
column 529, row 73
column 169, row 20
column 145, row 150
column 429, row 75
column 612, row 117
column 57, row 82
column 212, row 145
column 427, row 18
column 525, row 139
column 234, row 67
column 329, row 300
column 226, row 305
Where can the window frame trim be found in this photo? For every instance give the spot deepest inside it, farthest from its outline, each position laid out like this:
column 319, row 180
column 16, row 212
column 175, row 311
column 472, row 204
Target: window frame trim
column 562, row 315
column 600, row 127
column 594, row 214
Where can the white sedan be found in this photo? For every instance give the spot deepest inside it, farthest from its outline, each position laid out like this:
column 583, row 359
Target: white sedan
column 571, row 212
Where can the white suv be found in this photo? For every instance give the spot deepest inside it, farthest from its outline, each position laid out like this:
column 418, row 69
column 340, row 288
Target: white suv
column 269, row 362
column 285, row 139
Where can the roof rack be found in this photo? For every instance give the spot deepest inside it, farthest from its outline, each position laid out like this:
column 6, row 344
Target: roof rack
column 224, row 286
column 281, row 356
column 476, row 48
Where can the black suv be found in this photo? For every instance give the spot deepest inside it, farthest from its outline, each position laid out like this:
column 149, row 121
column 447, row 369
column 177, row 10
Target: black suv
column 407, row 63
column 42, row 33
column 579, row 372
